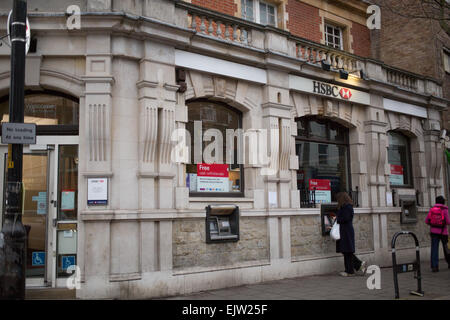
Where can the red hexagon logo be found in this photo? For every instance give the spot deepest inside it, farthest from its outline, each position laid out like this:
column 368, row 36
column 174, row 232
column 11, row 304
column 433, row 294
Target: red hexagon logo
column 345, row 93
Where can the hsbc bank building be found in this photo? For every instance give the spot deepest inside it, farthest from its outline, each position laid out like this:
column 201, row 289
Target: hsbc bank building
column 175, row 156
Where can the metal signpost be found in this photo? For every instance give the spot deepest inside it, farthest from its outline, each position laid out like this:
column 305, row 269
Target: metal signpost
column 13, row 235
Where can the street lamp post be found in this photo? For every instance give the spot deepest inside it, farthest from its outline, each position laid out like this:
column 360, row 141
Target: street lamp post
column 13, row 235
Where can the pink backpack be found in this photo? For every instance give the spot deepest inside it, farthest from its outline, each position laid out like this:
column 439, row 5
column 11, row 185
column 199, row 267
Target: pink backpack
column 437, row 219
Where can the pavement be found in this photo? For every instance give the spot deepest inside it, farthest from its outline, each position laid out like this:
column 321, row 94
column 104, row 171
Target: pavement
column 436, row 286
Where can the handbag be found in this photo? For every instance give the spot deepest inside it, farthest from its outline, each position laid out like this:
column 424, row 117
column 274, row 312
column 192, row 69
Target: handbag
column 334, row 233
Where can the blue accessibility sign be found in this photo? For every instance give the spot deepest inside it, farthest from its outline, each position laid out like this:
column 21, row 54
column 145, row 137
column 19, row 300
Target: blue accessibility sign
column 67, row 261
column 38, row 258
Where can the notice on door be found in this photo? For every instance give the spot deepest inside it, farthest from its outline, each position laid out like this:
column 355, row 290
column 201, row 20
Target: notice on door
column 396, row 176
column 97, row 191
column 67, row 200
column 322, row 189
column 212, row 178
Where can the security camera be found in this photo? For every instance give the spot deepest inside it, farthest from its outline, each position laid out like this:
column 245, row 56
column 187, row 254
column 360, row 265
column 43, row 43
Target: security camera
column 443, row 134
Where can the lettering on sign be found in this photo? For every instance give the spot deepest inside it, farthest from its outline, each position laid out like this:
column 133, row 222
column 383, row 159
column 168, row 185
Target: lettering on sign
column 19, row 133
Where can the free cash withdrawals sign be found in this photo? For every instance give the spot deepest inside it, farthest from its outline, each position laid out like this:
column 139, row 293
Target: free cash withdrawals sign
column 322, row 188
column 396, row 176
column 212, row 178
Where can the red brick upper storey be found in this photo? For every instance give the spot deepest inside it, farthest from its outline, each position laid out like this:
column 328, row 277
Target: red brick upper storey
column 223, row 6
column 306, row 18
column 361, row 40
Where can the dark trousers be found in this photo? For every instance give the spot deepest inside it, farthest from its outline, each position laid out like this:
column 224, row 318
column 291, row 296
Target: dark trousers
column 435, row 239
column 351, row 262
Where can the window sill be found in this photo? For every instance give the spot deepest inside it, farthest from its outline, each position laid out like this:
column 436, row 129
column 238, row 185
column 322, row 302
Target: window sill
column 219, row 199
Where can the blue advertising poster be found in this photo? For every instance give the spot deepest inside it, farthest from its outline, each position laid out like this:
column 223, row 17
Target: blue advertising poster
column 67, row 261
column 38, row 259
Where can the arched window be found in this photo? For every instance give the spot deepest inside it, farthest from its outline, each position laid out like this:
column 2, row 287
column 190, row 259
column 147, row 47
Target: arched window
column 53, row 112
column 214, row 167
column 399, row 159
column 322, row 148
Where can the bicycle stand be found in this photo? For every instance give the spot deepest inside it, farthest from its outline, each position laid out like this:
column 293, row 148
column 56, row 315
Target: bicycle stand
column 407, row 267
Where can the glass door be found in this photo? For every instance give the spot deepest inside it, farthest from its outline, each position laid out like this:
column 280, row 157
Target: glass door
column 50, row 207
column 35, row 212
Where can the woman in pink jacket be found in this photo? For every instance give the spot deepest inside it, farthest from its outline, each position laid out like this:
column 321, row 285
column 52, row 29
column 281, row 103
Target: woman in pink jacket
column 438, row 220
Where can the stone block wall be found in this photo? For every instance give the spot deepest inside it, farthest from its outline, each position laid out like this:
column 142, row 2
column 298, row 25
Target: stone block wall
column 307, row 238
column 191, row 250
column 420, row 229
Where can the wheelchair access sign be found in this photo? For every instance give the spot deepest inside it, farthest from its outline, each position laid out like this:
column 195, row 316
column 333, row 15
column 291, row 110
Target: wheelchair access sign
column 67, row 261
column 38, row 259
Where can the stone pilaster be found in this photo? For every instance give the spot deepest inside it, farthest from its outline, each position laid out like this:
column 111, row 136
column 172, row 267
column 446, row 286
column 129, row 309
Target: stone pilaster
column 376, row 144
column 434, row 161
column 96, row 142
column 157, row 105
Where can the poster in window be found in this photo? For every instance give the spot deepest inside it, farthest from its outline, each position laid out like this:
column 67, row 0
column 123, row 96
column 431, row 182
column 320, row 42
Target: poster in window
column 322, row 188
column 396, row 176
column 67, row 200
column 212, row 178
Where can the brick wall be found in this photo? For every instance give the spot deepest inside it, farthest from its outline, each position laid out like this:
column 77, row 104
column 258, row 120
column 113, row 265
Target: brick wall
column 304, row 20
column 361, row 40
column 406, row 44
column 224, row 6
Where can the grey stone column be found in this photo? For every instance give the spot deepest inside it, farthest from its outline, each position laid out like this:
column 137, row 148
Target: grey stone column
column 434, row 162
column 96, row 142
column 376, row 143
column 157, row 96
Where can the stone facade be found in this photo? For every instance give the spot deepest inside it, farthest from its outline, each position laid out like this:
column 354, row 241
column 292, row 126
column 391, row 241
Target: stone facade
column 190, row 247
column 149, row 240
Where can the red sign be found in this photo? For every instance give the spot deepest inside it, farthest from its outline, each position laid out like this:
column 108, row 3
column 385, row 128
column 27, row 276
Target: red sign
column 345, row 93
column 395, row 169
column 319, row 184
column 212, row 170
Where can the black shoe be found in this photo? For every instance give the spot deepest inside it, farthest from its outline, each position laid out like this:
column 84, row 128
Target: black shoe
column 434, row 269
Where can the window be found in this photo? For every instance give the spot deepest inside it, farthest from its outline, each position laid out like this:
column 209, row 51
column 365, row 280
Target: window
column 52, row 112
column 399, row 160
column 333, row 36
column 447, row 61
column 323, row 151
column 214, row 168
column 259, row 12
column 45, row 109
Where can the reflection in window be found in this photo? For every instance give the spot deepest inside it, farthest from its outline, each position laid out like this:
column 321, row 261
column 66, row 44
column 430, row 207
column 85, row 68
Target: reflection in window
column 45, row 109
column 222, row 173
column 322, row 148
column 398, row 159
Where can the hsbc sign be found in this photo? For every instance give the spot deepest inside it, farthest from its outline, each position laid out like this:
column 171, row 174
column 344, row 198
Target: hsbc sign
column 331, row 90
column 328, row 89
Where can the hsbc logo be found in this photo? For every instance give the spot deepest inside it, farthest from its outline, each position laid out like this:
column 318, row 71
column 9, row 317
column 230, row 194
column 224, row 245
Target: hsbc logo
column 345, row 93
column 331, row 90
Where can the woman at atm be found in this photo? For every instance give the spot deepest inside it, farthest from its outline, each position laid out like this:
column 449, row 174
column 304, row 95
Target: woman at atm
column 346, row 243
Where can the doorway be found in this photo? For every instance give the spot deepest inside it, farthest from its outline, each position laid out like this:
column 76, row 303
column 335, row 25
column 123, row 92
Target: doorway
column 49, row 210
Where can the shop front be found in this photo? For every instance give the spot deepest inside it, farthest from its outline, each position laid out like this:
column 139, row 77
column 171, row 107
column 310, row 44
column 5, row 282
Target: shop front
column 169, row 161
